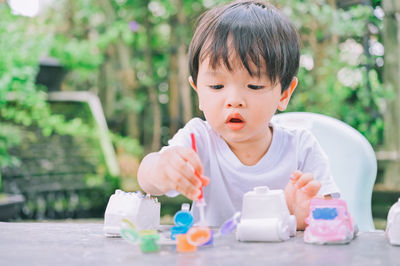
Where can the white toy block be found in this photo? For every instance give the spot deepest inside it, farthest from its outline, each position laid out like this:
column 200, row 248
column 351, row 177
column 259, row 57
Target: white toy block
column 393, row 224
column 265, row 216
column 142, row 211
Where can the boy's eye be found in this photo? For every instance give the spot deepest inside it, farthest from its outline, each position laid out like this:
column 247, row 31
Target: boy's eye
column 255, row 87
column 216, row 87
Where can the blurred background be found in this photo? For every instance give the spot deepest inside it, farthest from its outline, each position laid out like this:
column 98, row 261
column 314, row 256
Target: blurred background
column 87, row 88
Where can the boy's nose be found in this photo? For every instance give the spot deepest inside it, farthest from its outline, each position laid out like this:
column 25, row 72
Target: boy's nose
column 235, row 100
column 234, row 104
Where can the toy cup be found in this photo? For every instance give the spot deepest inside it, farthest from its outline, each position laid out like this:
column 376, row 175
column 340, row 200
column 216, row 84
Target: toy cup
column 182, row 244
column 199, row 235
column 149, row 241
column 183, row 220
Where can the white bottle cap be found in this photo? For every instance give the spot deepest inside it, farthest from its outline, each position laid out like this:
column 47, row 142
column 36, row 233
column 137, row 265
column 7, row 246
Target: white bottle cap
column 261, row 189
column 185, row 207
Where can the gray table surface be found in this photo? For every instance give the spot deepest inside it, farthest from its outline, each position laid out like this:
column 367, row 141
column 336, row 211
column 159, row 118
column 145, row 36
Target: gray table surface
column 84, row 244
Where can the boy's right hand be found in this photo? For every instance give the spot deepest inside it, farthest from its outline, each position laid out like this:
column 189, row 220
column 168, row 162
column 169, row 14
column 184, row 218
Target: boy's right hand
column 180, row 169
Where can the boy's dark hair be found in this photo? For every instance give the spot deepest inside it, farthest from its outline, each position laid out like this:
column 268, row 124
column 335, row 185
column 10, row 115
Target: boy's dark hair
column 258, row 31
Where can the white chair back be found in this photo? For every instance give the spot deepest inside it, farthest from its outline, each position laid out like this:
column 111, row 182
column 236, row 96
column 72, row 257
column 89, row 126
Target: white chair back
column 351, row 157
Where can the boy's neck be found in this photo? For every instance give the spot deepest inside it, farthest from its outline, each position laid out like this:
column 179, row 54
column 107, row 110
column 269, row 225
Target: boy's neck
column 250, row 153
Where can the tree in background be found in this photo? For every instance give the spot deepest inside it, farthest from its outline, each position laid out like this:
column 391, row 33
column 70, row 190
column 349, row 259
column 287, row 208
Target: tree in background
column 340, row 61
column 133, row 54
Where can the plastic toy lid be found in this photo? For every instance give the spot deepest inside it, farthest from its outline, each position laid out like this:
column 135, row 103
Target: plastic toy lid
column 229, row 225
column 130, row 235
column 176, row 230
column 198, row 236
column 183, row 218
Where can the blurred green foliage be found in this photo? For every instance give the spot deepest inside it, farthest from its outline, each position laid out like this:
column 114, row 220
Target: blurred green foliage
column 339, row 76
column 342, row 80
column 22, row 102
column 18, row 67
column 345, row 80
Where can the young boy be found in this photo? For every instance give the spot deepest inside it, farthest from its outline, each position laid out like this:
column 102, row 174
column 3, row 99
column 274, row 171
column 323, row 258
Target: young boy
column 243, row 60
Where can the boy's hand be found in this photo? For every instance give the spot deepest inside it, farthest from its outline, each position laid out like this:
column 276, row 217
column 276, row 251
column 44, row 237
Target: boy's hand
column 299, row 192
column 179, row 169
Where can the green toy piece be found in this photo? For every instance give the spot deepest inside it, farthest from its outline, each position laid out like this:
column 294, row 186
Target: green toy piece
column 149, row 241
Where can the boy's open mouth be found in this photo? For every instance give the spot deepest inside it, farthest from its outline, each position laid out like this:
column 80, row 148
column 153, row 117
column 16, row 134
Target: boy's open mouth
column 235, row 121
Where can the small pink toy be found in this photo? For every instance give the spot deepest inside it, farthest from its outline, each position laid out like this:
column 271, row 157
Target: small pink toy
column 329, row 222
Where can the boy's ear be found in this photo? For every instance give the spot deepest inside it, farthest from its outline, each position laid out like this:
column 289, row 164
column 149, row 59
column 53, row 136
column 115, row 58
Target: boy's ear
column 192, row 83
column 285, row 97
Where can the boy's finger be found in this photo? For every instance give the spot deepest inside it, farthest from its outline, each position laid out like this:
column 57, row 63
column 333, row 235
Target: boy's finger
column 190, row 194
column 312, row 188
column 304, row 180
column 204, row 180
column 295, row 176
column 183, row 168
column 183, row 186
column 192, row 158
column 174, row 177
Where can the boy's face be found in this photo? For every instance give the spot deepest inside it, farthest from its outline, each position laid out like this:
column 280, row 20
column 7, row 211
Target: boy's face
column 237, row 105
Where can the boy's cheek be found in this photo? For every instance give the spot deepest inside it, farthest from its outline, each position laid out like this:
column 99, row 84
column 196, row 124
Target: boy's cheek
column 200, row 98
column 201, row 106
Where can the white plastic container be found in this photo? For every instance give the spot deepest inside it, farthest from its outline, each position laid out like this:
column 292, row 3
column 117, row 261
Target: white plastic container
column 142, row 211
column 265, row 216
column 393, row 224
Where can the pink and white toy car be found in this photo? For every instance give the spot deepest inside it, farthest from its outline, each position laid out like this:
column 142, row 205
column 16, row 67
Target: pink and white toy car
column 329, row 222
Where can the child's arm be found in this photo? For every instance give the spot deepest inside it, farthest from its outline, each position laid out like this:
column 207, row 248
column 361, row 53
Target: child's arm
column 173, row 169
column 299, row 192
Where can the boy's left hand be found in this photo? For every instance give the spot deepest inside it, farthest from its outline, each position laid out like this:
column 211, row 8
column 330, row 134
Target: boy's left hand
column 299, row 192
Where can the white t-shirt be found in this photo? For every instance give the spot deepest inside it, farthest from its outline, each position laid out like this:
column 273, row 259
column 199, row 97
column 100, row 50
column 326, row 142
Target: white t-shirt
column 290, row 150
